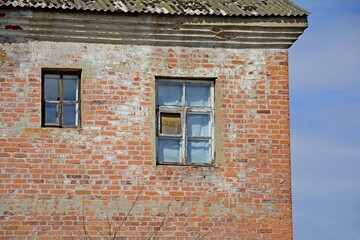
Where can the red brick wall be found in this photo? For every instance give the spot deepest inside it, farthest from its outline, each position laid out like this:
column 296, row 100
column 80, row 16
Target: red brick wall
column 50, row 179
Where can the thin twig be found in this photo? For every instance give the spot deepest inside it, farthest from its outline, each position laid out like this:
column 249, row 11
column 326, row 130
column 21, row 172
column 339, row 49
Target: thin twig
column 101, row 234
column 109, row 223
column 161, row 224
column 202, row 237
column 166, row 220
column 87, row 236
column 128, row 213
column 78, row 232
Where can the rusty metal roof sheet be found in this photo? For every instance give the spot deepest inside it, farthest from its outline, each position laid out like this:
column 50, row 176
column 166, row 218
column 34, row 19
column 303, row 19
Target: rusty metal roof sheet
column 179, row 7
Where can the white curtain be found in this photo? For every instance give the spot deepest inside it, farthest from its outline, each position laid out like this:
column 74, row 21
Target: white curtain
column 199, row 151
column 71, row 85
column 169, row 94
column 168, row 150
column 52, row 87
column 197, row 95
column 198, row 125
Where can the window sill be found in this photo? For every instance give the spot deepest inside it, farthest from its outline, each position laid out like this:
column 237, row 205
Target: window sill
column 186, row 165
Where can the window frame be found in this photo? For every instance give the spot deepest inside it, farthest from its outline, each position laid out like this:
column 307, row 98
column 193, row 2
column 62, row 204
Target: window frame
column 61, row 101
column 184, row 112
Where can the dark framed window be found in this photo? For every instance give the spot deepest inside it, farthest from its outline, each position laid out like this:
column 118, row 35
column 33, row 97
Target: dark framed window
column 185, row 122
column 61, row 98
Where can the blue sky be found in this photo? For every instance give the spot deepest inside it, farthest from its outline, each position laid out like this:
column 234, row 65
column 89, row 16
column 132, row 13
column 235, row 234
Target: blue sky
column 325, row 122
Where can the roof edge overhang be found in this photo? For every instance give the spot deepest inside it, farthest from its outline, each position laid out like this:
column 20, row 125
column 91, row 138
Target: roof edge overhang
column 171, row 7
column 25, row 24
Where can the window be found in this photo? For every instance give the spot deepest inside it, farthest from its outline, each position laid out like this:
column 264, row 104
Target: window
column 185, row 122
column 61, row 98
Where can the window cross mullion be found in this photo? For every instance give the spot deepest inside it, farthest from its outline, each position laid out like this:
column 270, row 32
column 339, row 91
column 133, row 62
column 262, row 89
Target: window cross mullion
column 51, row 101
column 169, row 102
column 55, row 88
column 184, row 150
column 61, row 100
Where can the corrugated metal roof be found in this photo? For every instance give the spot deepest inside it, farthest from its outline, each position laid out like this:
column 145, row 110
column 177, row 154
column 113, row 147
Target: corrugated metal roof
column 179, row 7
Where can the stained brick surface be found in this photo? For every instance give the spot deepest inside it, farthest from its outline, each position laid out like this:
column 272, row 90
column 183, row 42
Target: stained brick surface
column 51, row 179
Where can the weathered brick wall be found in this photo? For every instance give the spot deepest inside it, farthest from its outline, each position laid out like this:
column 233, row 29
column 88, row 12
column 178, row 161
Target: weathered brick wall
column 51, row 178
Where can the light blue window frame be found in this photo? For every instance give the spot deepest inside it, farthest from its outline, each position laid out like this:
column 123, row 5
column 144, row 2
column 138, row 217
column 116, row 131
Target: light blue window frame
column 193, row 148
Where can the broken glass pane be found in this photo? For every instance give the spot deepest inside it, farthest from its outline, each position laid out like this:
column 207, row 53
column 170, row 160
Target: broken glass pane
column 70, row 88
column 168, row 150
column 51, row 86
column 70, row 114
column 170, row 123
column 198, row 125
column 51, row 113
column 169, row 94
column 199, row 151
column 197, row 95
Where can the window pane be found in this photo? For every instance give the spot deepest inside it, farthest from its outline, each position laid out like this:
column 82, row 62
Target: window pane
column 197, row 95
column 51, row 86
column 70, row 87
column 51, row 113
column 70, row 114
column 170, row 123
column 199, row 151
column 168, row 150
column 198, row 125
column 169, row 94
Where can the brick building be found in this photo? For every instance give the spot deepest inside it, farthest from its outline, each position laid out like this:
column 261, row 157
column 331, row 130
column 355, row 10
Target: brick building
column 159, row 119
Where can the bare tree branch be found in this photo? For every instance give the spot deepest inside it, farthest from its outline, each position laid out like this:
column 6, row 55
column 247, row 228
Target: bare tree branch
column 87, row 236
column 112, row 234
column 109, row 222
column 128, row 213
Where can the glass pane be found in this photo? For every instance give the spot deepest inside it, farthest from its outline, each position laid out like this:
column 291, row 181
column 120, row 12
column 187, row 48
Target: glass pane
column 197, row 95
column 51, row 113
column 168, row 150
column 70, row 114
column 169, row 94
column 52, row 86
column 199, row 151
column 70, row 87
column 170, row 123
column 198, row 125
